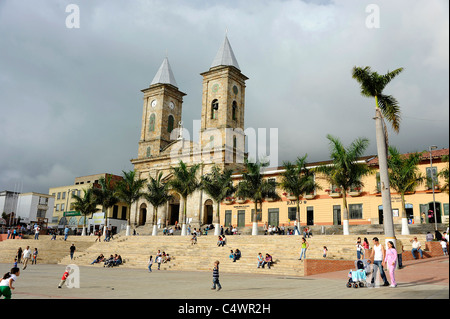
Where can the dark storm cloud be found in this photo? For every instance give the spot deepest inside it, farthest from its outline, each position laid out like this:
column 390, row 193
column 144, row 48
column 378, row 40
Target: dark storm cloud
column 71, row 104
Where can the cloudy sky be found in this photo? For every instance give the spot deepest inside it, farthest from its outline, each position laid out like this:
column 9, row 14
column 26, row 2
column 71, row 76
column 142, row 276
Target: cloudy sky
column 71, row 100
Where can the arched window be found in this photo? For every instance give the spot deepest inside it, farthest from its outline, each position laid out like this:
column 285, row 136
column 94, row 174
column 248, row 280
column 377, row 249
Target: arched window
column 234, row 111
column 211, row 141
column 148, row 151
column 170, row 123
column 214, row 109
column 151, row 125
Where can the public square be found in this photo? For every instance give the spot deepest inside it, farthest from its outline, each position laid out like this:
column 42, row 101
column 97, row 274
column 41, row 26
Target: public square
column 421, row 279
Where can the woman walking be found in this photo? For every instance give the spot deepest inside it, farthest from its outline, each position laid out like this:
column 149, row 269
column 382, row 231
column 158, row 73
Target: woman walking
column 391, row 262
column 150, row 263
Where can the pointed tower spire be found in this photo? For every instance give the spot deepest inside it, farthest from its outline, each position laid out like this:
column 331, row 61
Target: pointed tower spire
column 165, row 74
column 225, row 55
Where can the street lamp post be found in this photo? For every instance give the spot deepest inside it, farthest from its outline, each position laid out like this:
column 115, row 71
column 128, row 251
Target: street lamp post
column 433, row 147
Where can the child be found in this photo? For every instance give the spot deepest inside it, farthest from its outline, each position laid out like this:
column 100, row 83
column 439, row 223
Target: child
column 325, row 249
column 444, row 246
column 15, row 262
column 7, row 281
column 158, row 261
column 150, row 263
column 216, row 276
column 64, row 277
column 35, row 253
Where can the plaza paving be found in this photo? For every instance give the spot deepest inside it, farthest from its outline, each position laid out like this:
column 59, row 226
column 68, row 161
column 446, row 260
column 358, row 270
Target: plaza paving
column 428, row 278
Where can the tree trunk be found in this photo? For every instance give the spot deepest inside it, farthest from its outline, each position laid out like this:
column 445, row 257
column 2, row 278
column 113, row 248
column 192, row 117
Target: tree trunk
column 345, row 221
column 217, row 221
column 384, row 175
column 155, row 219
column 254, row 222
column 298, row 217
column 183, row 218
column 127, row 232
column 405, row 227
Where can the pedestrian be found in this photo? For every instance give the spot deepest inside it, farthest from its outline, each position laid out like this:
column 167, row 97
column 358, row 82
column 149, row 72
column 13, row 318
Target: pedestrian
column 26, row 257
column 72, row 251
column 443, row 243
column 66, row 233
column 34, row 260
column 325, row 250
column 9, row 233
column 19, row 255
column 378, row 255
column 158, row 261
column 6, row 284
column 216, row 277
column 304, row 246
column 36, row 232
column 359, row 249
column 391, row 262
column 366, row 246
column 416, row 246
column 150, row 264
column 268, row 261
column 64, row 277
column 399, row 249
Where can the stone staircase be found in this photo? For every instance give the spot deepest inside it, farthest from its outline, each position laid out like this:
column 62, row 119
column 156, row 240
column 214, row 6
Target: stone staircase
column 135, row 251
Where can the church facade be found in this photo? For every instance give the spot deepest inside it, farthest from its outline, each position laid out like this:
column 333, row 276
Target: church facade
column 162, row 146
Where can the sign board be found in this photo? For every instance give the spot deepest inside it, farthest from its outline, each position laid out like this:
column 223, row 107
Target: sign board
column 98, row 218
column 72, row 213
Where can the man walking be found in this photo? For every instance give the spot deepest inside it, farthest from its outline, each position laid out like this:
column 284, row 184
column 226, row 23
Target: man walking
column 72, row 251
column 378, row 254
column 26, row 256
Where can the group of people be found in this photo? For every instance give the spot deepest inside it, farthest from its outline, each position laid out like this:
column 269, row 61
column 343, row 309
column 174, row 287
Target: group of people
column 262, row 261
column 221, row 241
column 161, row 258
column 235, row 255
column 24, row 256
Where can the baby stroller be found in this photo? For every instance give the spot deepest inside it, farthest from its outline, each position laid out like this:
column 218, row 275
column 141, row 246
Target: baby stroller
column 361, row 276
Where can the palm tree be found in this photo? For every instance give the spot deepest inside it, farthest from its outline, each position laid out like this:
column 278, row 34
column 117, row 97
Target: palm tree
column 218, row 185
column 129, row 191
column 158, row 195
column 255, row 188
column 85, row 205
column 105, row 196
column 297, row 180
column 184, row 182
column 386, row 106
column 345, row 171
column 404, row 177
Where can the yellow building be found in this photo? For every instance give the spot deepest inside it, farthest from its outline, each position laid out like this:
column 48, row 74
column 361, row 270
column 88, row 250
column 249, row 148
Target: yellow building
column 324, row 207
column 63, row 212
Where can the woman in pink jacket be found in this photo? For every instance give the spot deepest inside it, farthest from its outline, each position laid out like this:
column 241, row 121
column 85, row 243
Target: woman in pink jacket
column 391, row 262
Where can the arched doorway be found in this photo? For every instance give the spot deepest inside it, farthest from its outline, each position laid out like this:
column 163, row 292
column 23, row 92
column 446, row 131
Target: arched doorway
column 430, row 215
column 173, row 211
column 142, row 214
column 208, row 212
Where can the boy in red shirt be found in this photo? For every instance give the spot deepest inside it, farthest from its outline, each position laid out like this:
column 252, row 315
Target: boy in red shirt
column 64, row 277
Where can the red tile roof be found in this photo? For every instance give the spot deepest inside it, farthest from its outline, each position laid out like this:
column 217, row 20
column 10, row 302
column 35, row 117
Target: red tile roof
column 435, row 154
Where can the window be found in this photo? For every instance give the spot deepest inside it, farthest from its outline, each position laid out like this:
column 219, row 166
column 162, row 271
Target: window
column 63, row 195
column 211, row 142
column 124, row 213
column 378, row 183
column 355, row 211
column 57, row 207
column 148, row 151
column 170, row 123
column 234, row 111
column 59, row 195
column 214, row 109
column 258, row 215
column 292, row 213
column 432, row 177
column 40, row 213
column 62, row 207
column 151, row 125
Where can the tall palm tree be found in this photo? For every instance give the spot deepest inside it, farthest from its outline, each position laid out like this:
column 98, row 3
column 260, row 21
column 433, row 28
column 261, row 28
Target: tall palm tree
column 346, row 171
column 184, row 182
column 404, row 177
column 157, row 195
column 85, row 205
column 386, row 106
column 218, row 185
column 297, row 180
column 129, row 191
column 105, row 195
column 255, row 188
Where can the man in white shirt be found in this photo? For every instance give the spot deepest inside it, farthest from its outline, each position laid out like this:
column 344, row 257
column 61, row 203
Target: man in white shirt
column 26, row 256
column 416, row 247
